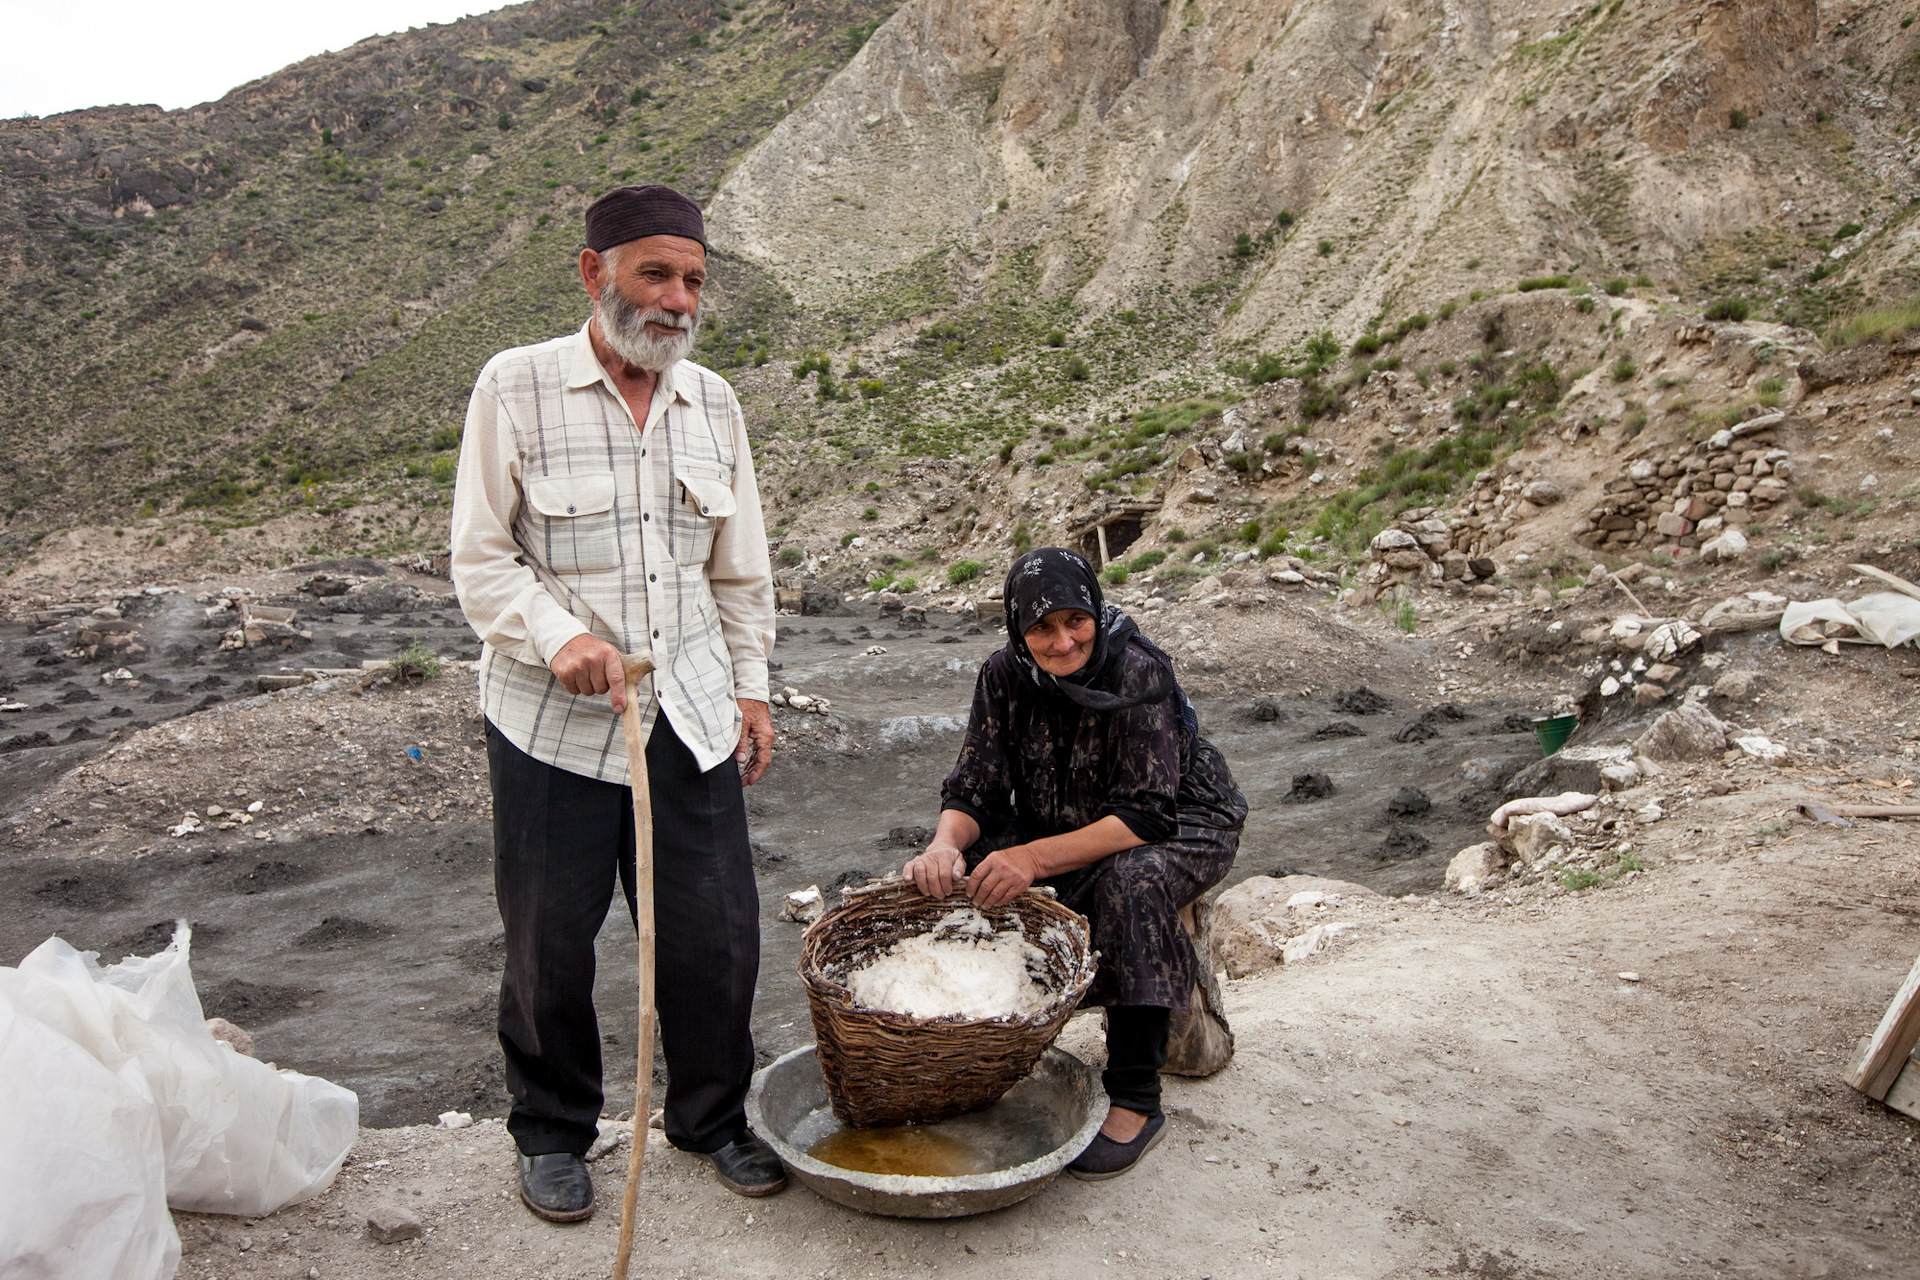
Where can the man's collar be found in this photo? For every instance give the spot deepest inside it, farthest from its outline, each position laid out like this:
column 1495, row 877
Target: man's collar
column 584, row 368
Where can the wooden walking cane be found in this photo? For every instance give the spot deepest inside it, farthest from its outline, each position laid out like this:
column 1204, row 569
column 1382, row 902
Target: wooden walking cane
column 638, row 669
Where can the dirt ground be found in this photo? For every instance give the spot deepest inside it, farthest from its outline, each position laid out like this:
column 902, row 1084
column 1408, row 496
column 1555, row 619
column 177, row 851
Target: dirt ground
column 1461, row 1087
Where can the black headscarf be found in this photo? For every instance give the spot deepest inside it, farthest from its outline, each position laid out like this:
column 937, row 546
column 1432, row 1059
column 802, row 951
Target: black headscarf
column 1048, row 579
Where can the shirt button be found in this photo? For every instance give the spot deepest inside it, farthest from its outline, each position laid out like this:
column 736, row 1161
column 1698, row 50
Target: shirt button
column 653, row 577
column 646, row 515
column 656, row 635
column 569, row 510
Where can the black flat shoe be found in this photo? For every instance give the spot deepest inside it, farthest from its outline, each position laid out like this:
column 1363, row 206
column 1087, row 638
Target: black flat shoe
column 748, row 1167
column 557, row 1187
column 1104, row 1158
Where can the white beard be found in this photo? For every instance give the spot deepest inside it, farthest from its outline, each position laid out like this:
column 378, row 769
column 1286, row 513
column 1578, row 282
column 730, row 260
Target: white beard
column 624, row 326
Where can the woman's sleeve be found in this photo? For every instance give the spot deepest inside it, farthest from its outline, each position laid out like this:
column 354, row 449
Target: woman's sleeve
column 981, row 785
column 1146, row 774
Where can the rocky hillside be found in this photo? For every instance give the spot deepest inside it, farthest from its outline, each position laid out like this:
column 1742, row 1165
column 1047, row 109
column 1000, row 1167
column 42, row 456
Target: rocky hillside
column 1188, row 276
column 277, row 302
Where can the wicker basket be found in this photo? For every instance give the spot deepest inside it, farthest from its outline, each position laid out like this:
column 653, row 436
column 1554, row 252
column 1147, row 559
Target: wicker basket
column 886, row 1068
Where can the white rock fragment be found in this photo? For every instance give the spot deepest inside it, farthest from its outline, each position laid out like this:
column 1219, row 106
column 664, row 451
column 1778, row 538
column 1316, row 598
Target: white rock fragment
column 456, row 1120
column 803, row 906
column 1760, row 747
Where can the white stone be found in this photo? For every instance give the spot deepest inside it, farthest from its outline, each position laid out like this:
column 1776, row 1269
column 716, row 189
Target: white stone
column 1540, row 837
column 803, row 906
column 456, row 1120
column 1760, row 747
column 1312, row 942
column 1474, row 866
column 1730, row 544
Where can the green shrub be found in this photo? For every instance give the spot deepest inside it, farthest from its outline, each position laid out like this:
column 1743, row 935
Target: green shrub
column 1887, row 323
column 1176, row 535
column 445, row 438
column 869, row 514
column 1056, row 338
column 791, row 555
column 1623, row 369
column 904, row 585
column 1737, row 118
column 1147, row 560
column 1076, row 370
column 1243, row 245
column 1634, row 423
column 871, row 388
column 963, row 571
column 1849, row 231
column 1734, row 309
column 1022, row 538
column 1114, row 575
column 415, row 664
column 1250, row 531
column 1365, row 345
column 1275, row 442
column 1543, row 282
column 1618, row 286
column 1324, row 248
column 443, row 470
column 1206, row 547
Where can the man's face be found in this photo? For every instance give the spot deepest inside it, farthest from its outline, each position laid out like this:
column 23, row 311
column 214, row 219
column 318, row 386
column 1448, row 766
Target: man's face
column 664, row 273
column 646, row 296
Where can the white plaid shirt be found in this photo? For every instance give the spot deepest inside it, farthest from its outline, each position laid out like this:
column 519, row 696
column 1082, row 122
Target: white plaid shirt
column 567, row 520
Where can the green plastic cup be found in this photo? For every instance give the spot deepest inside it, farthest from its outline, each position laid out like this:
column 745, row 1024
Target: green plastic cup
column 1553, row 732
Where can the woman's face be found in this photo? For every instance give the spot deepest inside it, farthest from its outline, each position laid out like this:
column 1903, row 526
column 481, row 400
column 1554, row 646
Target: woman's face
column 1062, row 641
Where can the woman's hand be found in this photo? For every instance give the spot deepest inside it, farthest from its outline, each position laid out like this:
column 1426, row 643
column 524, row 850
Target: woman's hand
column 935, row 871
column 1003, row 876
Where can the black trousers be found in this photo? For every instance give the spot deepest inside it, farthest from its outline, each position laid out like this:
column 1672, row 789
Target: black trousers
column 560, row 841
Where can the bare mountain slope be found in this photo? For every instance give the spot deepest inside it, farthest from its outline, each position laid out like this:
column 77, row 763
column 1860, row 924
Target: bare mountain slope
column 1423, row 149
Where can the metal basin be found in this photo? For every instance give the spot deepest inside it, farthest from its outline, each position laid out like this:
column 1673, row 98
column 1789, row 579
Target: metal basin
column 1026, row 1138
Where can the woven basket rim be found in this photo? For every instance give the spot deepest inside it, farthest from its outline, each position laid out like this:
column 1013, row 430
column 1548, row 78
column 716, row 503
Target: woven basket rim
column 1040, row 899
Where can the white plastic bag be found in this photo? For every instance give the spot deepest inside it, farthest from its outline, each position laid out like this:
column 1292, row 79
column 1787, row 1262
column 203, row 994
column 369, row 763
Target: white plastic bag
column 83, row 1176
column 239, row 1136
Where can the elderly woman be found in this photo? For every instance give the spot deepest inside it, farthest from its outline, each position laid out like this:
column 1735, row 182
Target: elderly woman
column 1084, row 769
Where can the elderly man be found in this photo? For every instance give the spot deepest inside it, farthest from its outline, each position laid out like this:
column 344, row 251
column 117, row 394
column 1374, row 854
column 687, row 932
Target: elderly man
column 606, row 504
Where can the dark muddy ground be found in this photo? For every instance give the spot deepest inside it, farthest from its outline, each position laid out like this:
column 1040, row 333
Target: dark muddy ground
column 372, row 959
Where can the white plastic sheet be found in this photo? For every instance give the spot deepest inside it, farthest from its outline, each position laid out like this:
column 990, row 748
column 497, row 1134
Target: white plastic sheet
column 235, row 1135
column 83, row 1176
column 1885, row 618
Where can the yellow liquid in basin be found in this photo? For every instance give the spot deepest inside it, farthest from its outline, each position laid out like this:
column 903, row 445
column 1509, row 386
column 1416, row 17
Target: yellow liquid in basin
column 921, row 1151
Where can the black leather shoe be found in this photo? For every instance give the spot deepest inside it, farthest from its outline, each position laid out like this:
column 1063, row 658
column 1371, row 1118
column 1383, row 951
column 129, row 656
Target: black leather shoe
column 557, row 1187
column 1104, row 1158
column 748, row 1167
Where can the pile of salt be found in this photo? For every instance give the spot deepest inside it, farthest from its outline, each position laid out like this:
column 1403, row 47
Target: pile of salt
column 959, row 968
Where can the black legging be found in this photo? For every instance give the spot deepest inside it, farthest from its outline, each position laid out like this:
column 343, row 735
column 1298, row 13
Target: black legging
column 1136, row 1050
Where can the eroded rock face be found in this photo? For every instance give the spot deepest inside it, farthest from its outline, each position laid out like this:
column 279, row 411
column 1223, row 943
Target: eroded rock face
column 1740, row 52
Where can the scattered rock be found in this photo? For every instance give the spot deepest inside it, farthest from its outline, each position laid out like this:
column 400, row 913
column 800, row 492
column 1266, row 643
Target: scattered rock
column 1669, row 640
column 1738, row 685
column 1540, row 837
column 613, row 1135
column 1308, row 787
column 803, row 906
column 1688, row 732
column 1268, row 710
column 228, row 1034
column 1624, row 776
column 1647, row 694
column 1760, row 747
column 1731, row 544
column 1315, row 940
column 389, row 1223
column 1474, row 866
column 456, row 1119
column 1252, row 923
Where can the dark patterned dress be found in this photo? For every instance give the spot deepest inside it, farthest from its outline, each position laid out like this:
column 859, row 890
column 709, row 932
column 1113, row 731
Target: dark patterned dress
column 1035, row 764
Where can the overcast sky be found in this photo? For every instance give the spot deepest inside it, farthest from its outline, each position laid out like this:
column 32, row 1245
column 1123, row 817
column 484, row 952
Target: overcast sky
column 179, row 53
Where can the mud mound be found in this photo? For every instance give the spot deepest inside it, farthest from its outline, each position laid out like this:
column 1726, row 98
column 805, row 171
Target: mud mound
column 341, row 931
column 1361, row 702
column 1308, row 787
column 253, row 1004
column 90, row 891
column 1402, row 843
column 1338, row 729
column 1407, row 802
column 275, row 874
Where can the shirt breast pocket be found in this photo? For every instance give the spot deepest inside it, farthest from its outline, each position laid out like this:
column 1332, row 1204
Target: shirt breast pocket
column 702, row 498
column 576, row 529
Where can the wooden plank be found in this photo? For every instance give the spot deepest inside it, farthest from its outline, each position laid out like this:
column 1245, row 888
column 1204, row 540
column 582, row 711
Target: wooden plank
column 1892, row 1042
column 1898, row 583
column 1873, row 810
column 1101, row 531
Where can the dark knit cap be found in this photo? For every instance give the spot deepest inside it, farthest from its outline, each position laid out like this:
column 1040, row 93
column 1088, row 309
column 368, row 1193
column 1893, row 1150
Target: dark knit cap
column 628, row 213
